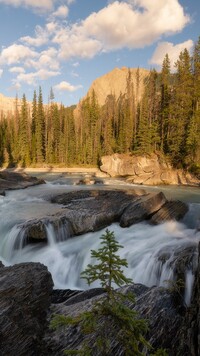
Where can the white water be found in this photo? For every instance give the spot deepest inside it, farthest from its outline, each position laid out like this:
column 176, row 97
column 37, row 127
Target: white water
column 66, row 258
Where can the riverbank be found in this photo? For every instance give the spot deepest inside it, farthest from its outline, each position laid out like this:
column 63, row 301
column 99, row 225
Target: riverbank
column 94, row 171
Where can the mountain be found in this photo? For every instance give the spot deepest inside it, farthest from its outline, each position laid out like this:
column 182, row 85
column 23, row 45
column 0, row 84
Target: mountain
column 7, row 105
column 115, row 82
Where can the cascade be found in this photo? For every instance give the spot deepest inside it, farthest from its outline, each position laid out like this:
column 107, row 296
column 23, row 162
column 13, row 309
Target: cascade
column 151, row 251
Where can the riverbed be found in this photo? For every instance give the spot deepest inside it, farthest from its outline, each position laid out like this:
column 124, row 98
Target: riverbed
column 66, row 259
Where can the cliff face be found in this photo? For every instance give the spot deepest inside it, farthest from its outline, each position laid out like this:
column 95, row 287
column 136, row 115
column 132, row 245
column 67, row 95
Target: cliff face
column 115, row 83
column 8, row 105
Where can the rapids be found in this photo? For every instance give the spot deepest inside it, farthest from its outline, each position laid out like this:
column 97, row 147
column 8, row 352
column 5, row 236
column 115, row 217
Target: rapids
column 67, row 257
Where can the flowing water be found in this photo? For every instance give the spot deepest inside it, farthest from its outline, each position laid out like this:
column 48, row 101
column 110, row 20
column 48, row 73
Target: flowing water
column 66, row 257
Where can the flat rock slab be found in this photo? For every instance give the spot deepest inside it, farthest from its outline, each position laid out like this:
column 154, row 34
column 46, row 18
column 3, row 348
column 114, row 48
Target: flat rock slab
column 92, row 210
column 171, row 210
column 14, row 180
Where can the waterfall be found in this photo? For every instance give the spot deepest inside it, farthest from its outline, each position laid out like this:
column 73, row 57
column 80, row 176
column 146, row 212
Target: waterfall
column 151, row 251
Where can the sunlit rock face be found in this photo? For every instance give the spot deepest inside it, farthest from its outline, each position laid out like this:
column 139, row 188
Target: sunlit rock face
column 148, row 170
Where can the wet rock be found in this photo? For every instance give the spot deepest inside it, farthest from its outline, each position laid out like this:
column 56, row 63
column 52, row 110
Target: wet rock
column 154, row 304
column 171, row 210
column 25, row 292
column 189, row 336
column 142, row 209
column 92, row 210
column 14, row 180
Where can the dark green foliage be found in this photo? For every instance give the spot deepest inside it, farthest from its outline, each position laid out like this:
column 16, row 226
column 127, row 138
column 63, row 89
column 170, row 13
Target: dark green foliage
column 111, row 318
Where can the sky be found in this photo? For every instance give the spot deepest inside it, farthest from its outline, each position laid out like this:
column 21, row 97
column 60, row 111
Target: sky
column 66, row 44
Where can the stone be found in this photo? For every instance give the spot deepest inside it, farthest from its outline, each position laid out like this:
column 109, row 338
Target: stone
column 171, row 210
column 148, row 170
column 25, row 295
column 142, row 209
column 14, row 180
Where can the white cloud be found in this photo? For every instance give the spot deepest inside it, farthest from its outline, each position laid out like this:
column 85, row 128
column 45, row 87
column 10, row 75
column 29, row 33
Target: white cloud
column 124, row 25
column 65, row 86
column 46, row 59
column 31, row 77
column 1, row 72
column 41, row 37
column 132, row 24
column 172, row 50
column 17, row 70
column 61, row 12
column 38, row 4
column 15, row 54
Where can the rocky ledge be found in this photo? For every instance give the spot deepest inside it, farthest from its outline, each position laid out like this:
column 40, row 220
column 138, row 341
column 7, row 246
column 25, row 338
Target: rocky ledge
column 92, row 210
column 148, row 170
column 14, row 180
column 28, row 302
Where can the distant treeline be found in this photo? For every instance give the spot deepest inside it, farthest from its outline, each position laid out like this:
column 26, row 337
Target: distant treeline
column 166, row 119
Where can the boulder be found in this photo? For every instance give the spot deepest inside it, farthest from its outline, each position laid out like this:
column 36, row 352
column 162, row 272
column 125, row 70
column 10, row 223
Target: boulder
column 14, row 180
column 25, row 295
column 189, row 335
column 92, row 210
column 142, row 209
column 149, row 170
column 171, row 210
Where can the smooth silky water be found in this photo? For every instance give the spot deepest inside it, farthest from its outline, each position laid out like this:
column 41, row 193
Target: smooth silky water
column 66, row 257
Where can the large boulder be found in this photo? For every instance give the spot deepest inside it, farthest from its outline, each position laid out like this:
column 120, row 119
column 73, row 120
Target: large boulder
column 148, row 170
column 171, row 210
column 142, row 209
column 25, row 295
column 92, row 210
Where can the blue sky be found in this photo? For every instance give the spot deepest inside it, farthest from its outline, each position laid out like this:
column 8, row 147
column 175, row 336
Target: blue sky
column 66, row 44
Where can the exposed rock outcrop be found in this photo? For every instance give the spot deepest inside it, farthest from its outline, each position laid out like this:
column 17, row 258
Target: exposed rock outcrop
column 14, row 180
column 25, row 295
column 91, row 210
column 148, row 170
column 154, row 304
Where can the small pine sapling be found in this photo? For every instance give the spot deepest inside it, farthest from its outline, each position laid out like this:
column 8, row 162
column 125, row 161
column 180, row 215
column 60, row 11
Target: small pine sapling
column 111, row 321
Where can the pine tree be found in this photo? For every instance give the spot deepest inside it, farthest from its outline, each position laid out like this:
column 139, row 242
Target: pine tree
column 33, row 128
column 110, row 318
column 180, row 109
column 193, row 142
column 40, row 130
column 24, row 134
column 164, row 103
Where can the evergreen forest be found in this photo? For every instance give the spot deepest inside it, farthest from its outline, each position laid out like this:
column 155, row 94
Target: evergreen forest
column 166, row 120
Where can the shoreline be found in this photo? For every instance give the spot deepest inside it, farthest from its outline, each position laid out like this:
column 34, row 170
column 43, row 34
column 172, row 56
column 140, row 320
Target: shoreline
column 90, row 170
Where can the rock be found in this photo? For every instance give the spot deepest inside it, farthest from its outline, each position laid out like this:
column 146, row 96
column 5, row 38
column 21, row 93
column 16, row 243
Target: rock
column 142, row 209
column 171, row 210
column 189, row 335
column 92, row 210
column 154, row 304
column 148, row 170
column 3, row 193
column 13, row 180
column 1, row 265
column 25, row 292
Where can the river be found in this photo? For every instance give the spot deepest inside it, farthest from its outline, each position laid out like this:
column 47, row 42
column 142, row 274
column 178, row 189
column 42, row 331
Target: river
column 143, row 244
